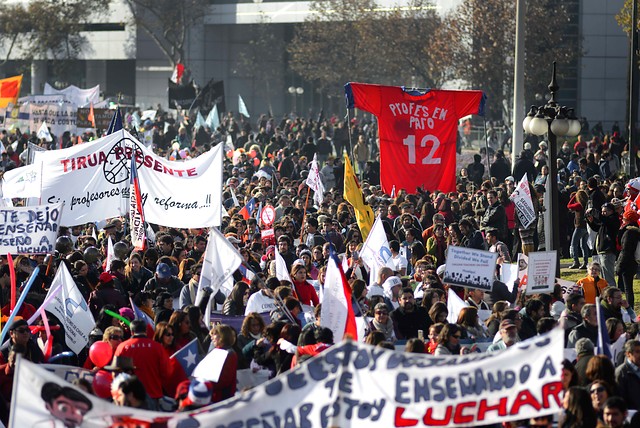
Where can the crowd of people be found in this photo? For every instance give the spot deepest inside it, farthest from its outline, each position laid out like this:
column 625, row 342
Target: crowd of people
column 401, row 306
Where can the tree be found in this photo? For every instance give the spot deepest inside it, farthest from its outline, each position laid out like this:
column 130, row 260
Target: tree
column 42, row 29
column 167, row 22
column 356, row 40
column 624, row 16
column 483, row 56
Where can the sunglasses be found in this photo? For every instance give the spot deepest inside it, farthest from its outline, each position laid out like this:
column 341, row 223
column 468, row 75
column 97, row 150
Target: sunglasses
column 115, row 338
column 457, row 336
column 597, row 390
column 382, row 313
column 168, row 334
column 22, row 330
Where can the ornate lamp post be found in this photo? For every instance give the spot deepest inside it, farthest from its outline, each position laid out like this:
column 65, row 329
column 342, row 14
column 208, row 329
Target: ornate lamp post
column 555, row 121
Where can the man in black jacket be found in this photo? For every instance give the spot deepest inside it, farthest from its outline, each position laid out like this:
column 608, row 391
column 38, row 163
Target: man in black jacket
column 534, row 310
column 408, row 318
column 607, row 227
column 628, row 375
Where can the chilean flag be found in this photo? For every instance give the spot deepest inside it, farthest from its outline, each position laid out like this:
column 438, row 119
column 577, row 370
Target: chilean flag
column 337, row 311
column 247, row 274
column 247, row 211
column 136, row 214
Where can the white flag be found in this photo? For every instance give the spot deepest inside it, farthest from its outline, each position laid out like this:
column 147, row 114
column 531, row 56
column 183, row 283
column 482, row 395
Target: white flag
column 242, row 107
column 454, row 306
column 199, row 122
column 71, row 309
column 44, row 133
column 282, row 273
column 221, row 259
column 335, row 307
column 314, row 181
column 234, row 197
column 375, row 252
column 110, row 255
column 521, row 197
column 23, row 182
column 213, row 120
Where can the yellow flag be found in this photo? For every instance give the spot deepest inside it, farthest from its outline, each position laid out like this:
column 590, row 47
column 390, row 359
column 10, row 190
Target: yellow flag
column 353, row 195
column 10, row 90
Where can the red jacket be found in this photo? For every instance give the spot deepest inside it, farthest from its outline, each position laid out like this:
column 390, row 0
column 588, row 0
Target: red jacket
column 306, row 293
column 151, row 362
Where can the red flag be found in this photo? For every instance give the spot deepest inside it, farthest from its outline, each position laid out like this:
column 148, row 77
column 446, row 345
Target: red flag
column 176, row 77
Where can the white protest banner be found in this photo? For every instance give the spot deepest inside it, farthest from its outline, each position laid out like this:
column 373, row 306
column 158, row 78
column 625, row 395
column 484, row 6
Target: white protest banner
column 541, row 272
column 77, row 96
column 375, row 252
column 59, row 118
column 93, row 181
column 17, row 117
column 69, row 373
column 349, row 385
column 521, row 197
column 44, row 99
column 210, row 368
column 470, row 268
column 71, row 309
column 29, row 230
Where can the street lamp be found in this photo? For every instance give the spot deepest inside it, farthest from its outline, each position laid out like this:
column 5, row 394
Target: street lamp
column 555, row 121
column 294, row 92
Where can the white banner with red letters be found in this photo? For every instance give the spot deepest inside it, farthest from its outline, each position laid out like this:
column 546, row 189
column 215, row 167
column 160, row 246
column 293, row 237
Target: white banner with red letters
column 348, row 385
column 92, row 180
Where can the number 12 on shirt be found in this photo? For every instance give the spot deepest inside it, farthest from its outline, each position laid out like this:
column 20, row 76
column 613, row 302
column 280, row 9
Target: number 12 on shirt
column 427, row 140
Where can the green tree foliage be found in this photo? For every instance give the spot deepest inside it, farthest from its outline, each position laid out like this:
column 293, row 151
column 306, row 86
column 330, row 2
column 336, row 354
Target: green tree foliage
column 358, row 40
column 624, row 16
column 167, row 22
column 483, row 37
column 44, row 29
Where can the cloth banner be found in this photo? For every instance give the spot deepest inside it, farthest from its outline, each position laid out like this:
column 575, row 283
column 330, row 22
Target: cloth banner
column 541, row 272
column 470, row 268
column 17, row 116
column 418, row 132
column 29, row 230
column 348, row 385
column 79, row 97
column 93, row 181
column 102, row 115
column 59, row 118
column 211, row 96
column 44, row 99
column 521, row 198
column 23, row 182
column 71, row 309
column 181, row 96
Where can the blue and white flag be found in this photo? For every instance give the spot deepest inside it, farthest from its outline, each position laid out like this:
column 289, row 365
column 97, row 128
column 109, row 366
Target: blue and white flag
column 141, row 315
column 242, row 107
column 116, row 122
column 213, row 120
column 603, row 347
column 188, row 357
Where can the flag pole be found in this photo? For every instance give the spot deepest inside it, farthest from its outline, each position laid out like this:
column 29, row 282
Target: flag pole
column 304, row 213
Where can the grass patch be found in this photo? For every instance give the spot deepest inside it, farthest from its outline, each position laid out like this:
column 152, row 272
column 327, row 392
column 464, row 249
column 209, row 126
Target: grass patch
column 576, row 274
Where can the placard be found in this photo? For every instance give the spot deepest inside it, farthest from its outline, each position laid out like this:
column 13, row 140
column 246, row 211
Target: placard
column 470, row 268
column 541, row 272
column 29, row 230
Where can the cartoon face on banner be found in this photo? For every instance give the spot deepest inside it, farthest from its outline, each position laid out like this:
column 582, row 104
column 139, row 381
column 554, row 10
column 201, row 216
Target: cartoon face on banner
column 117, row 167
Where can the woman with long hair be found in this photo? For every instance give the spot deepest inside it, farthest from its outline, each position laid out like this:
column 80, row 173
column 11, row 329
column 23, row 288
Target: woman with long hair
column 578, row 409
column 438, row 313
column 470, row 322
column 236, row 302
column 136, row 275
column 181, row 325
column 303, row 289
column 437, row 244
column 184, row 269
column 164, row 335
column 449, row 340
column 224, row 337
column 252, row 329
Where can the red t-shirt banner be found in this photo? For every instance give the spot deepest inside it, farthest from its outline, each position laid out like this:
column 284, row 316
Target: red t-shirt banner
column 417, row 132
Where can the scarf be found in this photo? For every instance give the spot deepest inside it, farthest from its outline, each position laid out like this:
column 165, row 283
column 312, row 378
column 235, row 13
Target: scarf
column 387, row 328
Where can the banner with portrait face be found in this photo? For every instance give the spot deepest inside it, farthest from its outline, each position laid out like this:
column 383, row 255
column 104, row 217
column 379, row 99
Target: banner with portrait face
column 348, row 385
column 92, row 179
